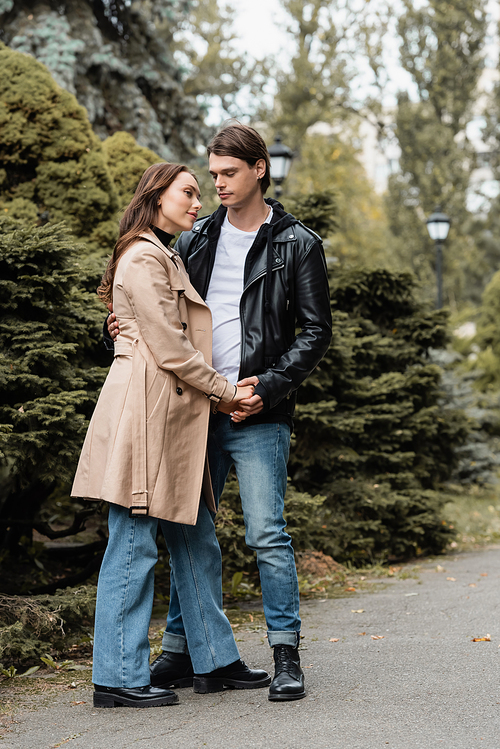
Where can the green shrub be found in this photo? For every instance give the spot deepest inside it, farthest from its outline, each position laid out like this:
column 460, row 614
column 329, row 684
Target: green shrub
column 33, row 626
column 51, row 162
column 126, row 162
column 50, row 373
column 371, row 432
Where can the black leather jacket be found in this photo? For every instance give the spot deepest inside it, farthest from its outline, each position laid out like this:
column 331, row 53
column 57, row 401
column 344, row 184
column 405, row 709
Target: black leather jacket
column 285, row 288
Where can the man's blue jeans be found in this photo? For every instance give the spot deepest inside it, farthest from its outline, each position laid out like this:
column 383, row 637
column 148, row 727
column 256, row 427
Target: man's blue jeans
column 260, row 455
column 125, row 597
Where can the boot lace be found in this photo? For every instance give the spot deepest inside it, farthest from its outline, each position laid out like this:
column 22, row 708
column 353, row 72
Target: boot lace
column 283, row 659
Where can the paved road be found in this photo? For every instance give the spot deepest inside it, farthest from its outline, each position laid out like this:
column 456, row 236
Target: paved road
column 424, row 685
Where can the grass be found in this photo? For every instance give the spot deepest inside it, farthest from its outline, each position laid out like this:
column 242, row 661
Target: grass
column 474, row 514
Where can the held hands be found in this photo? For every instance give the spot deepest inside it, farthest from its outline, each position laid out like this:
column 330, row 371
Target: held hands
column 246, row 404
column 243, row 392
column 113, row 327
column 254, row 404
column 233, row 408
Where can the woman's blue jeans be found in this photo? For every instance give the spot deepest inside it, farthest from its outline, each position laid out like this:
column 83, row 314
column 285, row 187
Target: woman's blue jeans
column 260, row 455
column 125, row 597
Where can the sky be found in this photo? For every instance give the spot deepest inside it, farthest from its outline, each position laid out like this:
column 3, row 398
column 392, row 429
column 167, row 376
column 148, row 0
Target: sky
column 259, row 26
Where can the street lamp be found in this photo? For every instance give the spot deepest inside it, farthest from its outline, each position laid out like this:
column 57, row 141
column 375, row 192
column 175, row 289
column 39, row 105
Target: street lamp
column 281, row 161
column 438, row 226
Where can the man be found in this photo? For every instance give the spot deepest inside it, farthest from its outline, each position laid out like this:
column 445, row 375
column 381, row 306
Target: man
column 263, row 274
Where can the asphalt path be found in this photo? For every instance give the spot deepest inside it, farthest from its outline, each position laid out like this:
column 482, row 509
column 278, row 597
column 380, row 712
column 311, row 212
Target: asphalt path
column 423, row 683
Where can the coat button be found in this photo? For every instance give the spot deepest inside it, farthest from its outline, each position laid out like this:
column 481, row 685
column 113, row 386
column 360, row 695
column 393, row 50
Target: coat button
column 179, row 391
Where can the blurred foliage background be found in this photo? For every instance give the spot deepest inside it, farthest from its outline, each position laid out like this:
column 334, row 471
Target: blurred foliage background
column 396, row 439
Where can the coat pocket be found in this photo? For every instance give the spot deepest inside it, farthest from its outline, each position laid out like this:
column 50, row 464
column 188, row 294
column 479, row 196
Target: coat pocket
column 157, row 394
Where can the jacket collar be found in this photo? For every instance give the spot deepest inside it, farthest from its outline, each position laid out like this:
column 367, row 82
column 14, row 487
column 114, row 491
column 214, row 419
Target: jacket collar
column 151, row 237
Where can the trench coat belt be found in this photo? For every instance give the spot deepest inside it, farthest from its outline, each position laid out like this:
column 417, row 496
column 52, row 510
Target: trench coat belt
column 139, row 505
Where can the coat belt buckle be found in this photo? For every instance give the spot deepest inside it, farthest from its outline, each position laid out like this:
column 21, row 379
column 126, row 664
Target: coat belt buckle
column 138, row 511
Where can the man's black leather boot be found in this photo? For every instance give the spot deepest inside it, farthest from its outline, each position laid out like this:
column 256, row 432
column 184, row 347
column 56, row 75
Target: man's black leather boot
column 172, row 670
column 288, row 682
column 235, row 676
column 133, row 697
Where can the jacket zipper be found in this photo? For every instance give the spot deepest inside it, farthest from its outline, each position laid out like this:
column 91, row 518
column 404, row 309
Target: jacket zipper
column 262, row 273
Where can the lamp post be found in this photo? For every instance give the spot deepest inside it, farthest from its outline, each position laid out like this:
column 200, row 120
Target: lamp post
column 438, row 226
column 281, row 161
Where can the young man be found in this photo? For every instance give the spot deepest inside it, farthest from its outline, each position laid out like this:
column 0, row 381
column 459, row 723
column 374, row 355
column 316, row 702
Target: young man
column 263, row 274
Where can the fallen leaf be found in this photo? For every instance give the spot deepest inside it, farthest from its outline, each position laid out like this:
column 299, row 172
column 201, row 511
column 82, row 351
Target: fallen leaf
column 472, row 585
column 452, row 579
column 482, row 639
column 364, row 633
column 80, row 702
column 407, row 595
column 377, row 637
column 440, row 569
column 250, row 617
column 484, row 574
column 350, row 590
column 357, row 611
column 334, row 639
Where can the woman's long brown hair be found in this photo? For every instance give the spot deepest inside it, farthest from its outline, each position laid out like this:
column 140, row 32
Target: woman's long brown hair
column 139, row 216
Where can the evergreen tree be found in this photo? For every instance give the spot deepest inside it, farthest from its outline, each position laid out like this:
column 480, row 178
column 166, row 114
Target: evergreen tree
column 52, row 166
column 371, row 433
column 117, row 58
column 126, row 161
column 50, row 337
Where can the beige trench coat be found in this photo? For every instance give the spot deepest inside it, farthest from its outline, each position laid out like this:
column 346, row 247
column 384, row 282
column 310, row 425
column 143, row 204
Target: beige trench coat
column 147, row 441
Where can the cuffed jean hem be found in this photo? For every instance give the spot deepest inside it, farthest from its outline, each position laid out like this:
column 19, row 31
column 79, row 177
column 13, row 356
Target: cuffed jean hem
column 174, row 643
column 283, row 638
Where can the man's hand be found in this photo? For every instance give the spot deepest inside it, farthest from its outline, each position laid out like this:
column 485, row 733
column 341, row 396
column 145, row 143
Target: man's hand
column 233, row 409
column 244, row 392
column 253, row 405
column 113, row 327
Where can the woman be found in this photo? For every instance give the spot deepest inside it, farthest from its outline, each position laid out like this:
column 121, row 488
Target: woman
column 145, row 449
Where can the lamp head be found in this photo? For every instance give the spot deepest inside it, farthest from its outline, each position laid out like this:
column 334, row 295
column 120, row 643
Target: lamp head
column 438, row 225
column 281, row 160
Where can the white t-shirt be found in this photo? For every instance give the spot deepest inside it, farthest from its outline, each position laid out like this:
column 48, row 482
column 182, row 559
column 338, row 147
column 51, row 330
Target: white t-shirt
column 224, row 295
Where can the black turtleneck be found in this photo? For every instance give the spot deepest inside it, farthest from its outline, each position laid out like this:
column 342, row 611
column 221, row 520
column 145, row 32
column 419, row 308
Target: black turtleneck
column 164, row 238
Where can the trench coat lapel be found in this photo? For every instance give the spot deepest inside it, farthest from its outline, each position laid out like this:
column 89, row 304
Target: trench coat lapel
column 179, row 281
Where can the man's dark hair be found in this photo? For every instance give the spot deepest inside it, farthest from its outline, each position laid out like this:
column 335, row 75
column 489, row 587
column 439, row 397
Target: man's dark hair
column 242, row 142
